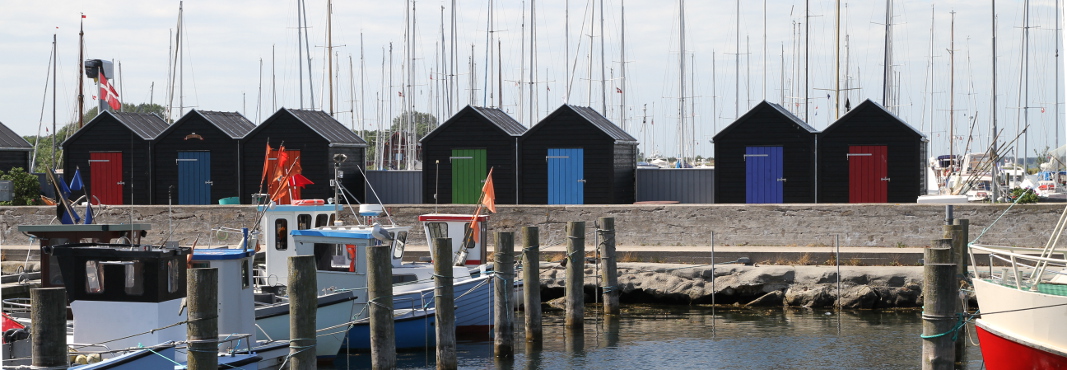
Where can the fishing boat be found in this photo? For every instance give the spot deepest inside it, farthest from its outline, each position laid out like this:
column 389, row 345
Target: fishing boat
column 1022, row 301
column 127, row 302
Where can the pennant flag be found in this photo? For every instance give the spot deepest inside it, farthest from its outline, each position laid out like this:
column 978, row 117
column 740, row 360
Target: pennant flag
column 107, row 90
column 67, row 218
column 64, row 190
column 298, row 180
column 88, row 213
column 618, row 90
column 401, row 93
column 476, row 229
column 266, row 163
column 848, row 105
column 488, row 193
column 10, row 323
column 76, row 182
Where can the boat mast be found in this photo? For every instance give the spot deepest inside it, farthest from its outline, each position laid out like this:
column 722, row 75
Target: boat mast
column 837, row 60
column 888, row 58
column 737, row 61
column 952, row 87
column 566, row 50
column 533, row 61
column 993, row 126
column 603, row 80
column 81, row 81
column 681, row 80
column 807, row 31
column 329, row 50
column 362, row 90
column 622, row 64
column 299, row 51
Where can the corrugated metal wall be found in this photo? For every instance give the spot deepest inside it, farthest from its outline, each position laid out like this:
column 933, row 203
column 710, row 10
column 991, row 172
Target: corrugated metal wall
column 682, row 185
column 395, row 187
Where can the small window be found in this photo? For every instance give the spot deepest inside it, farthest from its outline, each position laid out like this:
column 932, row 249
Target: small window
column 246, row 277
column 399, row 242
column 322, row 220
column 341, row 258
column 404, row 278
column 200, row 265
column 281, row 234
column 437, row 230
column 134, row 278
column 303, row 222
column 173, row 275
column 94, row 277
column 468, row 239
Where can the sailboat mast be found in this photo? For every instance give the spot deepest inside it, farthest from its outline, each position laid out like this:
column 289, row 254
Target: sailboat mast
column 55, row 61
column 299, row 52
column 362, row 90
column 837, row 60
column 566, row 50
column 681, row 79
column 807, row 31
column 952, row 87
column 603, row 80
column 307, row 51
column 993, row 123
column 329, row 50
column 533, row 60
column 81, row 82
column 737, row 60
column 888, row 58
column 622, row 64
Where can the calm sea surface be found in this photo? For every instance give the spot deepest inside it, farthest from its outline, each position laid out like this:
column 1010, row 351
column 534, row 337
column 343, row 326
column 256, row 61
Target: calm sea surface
column 672, row 337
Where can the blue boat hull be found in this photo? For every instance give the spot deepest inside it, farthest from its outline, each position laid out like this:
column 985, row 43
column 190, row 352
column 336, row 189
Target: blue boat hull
column 411, row 333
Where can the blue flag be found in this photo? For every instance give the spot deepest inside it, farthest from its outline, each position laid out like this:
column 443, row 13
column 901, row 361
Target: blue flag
column 63, row 189
column 88, row 213
column 76, row 182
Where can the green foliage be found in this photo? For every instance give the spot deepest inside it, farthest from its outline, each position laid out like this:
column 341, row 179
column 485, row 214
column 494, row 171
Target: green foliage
column 26, row 187
column 44, row 162
column 1028, row 195
column 424, row 122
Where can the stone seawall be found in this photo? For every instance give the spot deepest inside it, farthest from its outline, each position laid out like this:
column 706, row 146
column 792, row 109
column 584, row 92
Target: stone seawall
column 887, row 225
column 754, row 286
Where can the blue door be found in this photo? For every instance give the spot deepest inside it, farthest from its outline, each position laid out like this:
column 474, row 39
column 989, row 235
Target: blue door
column 566, row 176
column 194, row 177
column 763, row 174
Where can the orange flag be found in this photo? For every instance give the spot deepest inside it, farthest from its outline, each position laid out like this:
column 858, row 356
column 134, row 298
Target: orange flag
column 488, row 193
column 266, row 164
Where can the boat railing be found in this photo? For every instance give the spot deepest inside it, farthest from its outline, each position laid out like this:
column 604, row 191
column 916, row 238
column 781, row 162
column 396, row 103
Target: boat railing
column 221, row 235
column 1015, row 258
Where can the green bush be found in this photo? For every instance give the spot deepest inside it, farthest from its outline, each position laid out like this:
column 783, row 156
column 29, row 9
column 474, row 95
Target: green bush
column 26, row 187
column 1028, row 195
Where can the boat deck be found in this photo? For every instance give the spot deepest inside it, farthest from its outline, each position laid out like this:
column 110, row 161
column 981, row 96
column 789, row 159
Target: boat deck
column 1045, row 288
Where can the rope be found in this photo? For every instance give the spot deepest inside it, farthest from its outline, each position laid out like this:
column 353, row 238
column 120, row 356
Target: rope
column 100, row 344
column 995, row 220
column 960, row 323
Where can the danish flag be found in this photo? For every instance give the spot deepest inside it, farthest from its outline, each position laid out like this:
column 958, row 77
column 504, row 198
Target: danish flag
column 107, row 91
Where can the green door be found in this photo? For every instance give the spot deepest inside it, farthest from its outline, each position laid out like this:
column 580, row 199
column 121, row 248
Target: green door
column 468, row 175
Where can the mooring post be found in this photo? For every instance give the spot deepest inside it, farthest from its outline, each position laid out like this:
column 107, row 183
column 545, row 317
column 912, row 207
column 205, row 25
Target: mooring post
column 504, row 310
column 380, row 305
column 445, row 303
column 202, row 331
column 303, row 306
column 939, row 306
column 531, row 282
column 610, row 273
column 48, row 334
column 575, row 302
column 959, row 246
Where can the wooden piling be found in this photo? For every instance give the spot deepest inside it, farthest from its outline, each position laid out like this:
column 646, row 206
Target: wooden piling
column 573, row 287
column 609, row 274
column 48, row 334
column 202, row 331
column 939, row 306
column 303, row 307
column 503, row 286
column 380, row 304
column 959, row 247
column 531, row 283
column 445, row 303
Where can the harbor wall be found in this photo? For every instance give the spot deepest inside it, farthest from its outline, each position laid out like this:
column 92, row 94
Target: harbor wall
column 882, row 225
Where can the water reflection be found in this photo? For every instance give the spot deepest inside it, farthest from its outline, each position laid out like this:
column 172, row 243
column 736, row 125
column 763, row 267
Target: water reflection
column 647, row 337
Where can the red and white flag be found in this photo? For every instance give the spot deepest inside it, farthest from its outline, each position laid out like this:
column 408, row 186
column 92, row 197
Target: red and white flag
column 108, row 92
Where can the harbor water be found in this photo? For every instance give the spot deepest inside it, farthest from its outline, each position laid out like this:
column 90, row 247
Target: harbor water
column 690, row 337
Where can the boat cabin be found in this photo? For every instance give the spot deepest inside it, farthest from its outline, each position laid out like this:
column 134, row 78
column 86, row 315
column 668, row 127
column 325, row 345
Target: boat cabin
column 58, row 235
column 466, row 250
column 235, row 289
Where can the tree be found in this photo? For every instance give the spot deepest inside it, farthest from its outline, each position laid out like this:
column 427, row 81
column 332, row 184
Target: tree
column 424, row 122
column 26, row 187
column 43, row 161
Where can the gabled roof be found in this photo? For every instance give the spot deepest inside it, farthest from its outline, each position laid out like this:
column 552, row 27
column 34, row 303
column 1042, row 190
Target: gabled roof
column 231, row 123
column 321, row 123
column 767, row 105
column 147, row 126
column 870, row 104
column 494, row 116
column 593, row 117
column 9, row 140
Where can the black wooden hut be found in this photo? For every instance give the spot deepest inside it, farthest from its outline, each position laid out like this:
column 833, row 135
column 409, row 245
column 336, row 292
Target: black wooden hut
column 318, row 138
column 194, row 159
column 14, row 150
column 766, row 156
column 114, row 154
column 871, row 156
column 458, row 154
column 577, row 156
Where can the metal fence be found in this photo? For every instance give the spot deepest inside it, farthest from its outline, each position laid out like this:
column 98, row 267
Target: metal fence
column 395, row 187
column 682, row 185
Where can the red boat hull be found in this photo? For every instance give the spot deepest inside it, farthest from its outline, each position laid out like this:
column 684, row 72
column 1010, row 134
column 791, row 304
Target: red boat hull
column 1001, row 353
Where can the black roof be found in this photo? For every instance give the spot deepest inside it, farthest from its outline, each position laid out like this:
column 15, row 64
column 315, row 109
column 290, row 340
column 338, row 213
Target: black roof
column 9, row 140
column 329, row 128
column 592, row 116
column 766, row 104
column 232, row 123
column 147, row 126
column 870, row 104
column 495, row 116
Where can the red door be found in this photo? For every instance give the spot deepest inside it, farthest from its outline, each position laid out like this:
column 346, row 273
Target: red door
column 105, row 172
column 868, row 179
